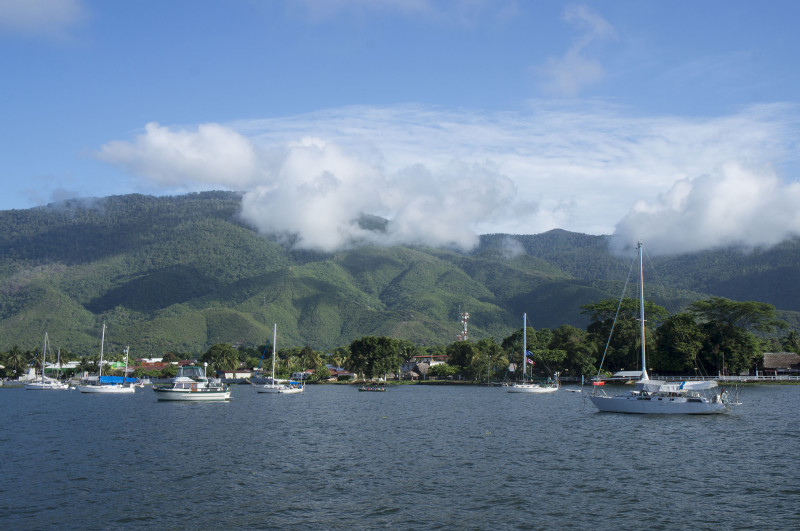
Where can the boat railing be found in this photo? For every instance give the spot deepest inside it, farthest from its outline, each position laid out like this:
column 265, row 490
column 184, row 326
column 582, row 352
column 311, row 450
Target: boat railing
column 730, row 378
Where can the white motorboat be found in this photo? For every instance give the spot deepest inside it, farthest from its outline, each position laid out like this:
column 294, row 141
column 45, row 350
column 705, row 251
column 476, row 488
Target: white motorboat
column 192, row 385
column 659, row 397
column 530, row 387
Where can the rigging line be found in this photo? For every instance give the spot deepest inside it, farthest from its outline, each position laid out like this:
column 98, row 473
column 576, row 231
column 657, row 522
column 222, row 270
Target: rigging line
column 614, row 323
column 660, row 286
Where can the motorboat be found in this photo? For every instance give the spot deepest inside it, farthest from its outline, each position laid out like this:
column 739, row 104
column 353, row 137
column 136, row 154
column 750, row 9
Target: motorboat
column 192, row 385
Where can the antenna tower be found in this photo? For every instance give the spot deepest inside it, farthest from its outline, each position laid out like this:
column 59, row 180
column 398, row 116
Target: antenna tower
column 463, row 335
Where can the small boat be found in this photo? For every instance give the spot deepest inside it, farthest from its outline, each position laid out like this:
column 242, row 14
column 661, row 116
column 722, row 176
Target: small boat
column 292, row 388
column 657, row 396
column 192, row 385
column 372, row 388
column 46, row 384
column 530, row 387
column 109, row 387
column 273, row 386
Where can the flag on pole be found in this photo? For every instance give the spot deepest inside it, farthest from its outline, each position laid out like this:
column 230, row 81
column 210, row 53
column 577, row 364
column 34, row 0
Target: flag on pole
column 530, row 361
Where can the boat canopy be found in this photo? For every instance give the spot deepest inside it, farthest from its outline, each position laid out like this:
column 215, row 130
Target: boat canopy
column 191, row 371
column 117, row 379
column 651, row 386
column 696, row 386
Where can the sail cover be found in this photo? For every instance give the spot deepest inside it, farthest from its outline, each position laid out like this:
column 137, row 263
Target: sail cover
column 697, row 386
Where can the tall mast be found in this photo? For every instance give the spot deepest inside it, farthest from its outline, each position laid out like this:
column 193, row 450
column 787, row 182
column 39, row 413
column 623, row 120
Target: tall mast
column 44, row 355
column 127, row 348
column 274, row 334
column 641, row 308
column 524, row 344
column 102, row 340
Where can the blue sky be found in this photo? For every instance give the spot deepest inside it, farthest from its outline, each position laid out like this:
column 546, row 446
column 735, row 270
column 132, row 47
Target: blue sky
column 671, row 121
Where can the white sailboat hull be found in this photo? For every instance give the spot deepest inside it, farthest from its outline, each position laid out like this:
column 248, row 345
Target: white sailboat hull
column 270, row 388
column 107, row 389
column 658, row 405
column 46, row 386
column 279, row 389
column 531, row 388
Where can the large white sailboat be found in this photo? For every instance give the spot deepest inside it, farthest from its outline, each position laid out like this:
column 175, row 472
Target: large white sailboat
column 45, row 383
column 273, row 386
column 107, row 388
column 530, row 387
column 659, row 397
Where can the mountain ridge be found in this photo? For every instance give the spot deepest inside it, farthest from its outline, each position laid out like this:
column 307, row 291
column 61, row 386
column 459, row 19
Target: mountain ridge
column 184, row 272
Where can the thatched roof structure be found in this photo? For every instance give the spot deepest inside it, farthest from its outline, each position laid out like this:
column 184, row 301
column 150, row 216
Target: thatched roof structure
column 781, row 360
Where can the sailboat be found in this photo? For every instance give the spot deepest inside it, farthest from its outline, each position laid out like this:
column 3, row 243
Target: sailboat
column 46, row 384
column 657, row 396
column 530, row 387
column 99, row 387
column 273, row 386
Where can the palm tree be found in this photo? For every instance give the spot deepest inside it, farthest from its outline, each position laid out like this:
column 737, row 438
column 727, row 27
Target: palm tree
column 16, row 360
column 64, row 356
column 33, row 359
column 792, row 341
column 89, row 364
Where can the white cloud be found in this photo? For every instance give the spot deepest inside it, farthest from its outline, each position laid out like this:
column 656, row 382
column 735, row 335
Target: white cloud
column 40, row 17
column 566, row 76
column 733, row 206
column 211, row 155
column 441, row 177
column 316, row 192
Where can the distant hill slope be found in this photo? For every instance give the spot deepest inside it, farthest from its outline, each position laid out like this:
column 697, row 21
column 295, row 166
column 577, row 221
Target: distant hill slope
column 182, row 273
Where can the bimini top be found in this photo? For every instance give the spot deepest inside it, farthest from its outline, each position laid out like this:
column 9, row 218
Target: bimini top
column 193, row 372
column 652, row 386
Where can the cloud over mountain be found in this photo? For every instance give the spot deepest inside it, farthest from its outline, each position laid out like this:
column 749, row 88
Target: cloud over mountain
column 441, row 177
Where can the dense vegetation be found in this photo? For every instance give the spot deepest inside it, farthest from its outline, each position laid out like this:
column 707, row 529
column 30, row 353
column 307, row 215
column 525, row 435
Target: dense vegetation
column 184, row 273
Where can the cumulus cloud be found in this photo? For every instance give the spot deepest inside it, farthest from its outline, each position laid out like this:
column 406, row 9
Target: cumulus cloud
column 733, row 206
column 211, row 154
column 315, row 194
column 318, row 193
column 40, row 17
column 443, row 177
column 567, row 75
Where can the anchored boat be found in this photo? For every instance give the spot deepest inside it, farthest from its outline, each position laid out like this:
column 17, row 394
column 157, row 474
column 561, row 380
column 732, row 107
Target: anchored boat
column 192, row 385
column 659, row 397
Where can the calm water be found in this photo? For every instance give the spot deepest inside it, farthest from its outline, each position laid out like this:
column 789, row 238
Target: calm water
column 413, row 457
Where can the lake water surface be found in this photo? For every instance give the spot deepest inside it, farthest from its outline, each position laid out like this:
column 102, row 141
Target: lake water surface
column 421, row 457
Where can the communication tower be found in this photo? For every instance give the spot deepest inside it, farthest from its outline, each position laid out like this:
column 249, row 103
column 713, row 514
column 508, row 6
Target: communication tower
column 463, row 335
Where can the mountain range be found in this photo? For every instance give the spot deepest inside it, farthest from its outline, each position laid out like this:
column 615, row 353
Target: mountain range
column 181, row 273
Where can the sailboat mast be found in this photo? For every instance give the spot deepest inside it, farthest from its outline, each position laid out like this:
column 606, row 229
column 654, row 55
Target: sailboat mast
column 127, row 348
column 102, row 340
column 44, row 355
column 641, row 309
column 524, row 344
column 274, row 337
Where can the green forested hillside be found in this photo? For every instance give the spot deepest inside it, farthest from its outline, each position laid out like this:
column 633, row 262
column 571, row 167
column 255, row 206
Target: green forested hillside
column 182, row 273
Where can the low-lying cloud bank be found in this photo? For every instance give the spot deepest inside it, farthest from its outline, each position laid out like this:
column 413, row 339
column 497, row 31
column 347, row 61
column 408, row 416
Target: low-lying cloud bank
column 443, row 177
column 733, row 206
